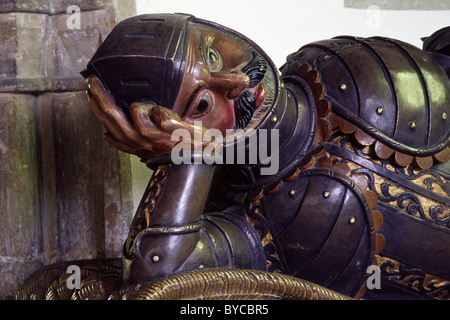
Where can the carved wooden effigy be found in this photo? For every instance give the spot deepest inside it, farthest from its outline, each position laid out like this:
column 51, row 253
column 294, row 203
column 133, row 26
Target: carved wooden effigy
column 361, row 154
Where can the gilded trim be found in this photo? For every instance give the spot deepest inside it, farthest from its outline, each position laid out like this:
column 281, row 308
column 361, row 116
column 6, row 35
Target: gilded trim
column 413, row 278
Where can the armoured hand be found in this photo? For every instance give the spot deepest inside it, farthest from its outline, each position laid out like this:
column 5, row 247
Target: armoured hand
column 145, row 132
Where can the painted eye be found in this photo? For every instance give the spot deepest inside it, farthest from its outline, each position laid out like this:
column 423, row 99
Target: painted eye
column 214, row 60
column 204, row 105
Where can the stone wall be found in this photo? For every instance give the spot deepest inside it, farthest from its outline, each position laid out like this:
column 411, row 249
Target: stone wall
column 64, row 193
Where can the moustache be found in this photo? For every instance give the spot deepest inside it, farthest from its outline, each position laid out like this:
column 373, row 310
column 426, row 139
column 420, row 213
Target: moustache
column 245, row 104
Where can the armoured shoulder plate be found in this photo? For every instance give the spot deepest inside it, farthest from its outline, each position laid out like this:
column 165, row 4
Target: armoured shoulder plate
column 391, row 90
column 323, row 228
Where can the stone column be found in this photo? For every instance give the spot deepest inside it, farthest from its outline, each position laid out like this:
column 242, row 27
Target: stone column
column 64, row 193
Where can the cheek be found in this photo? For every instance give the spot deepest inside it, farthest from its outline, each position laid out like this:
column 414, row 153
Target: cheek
column 221, row 117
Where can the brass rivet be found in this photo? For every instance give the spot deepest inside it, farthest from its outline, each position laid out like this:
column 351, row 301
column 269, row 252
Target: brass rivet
column 343, row 86
column 274, row 119
column 201, row 267
column 412, row 125
column 326, row 194
column 292, row 193
column 380, row 110
column 444, row 116
column 155, row 258
column 357, row 264
column 352, row 220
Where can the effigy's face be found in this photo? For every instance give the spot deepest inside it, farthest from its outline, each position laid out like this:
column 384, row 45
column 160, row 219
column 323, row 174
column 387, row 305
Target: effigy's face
column 155, row 74
column 218, row 80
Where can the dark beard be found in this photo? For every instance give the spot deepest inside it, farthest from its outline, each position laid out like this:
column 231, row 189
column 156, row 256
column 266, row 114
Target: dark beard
column 245, row 105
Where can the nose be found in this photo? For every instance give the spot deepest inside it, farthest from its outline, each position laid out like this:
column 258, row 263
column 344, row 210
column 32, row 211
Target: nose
column 232, row 82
